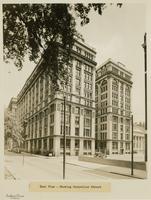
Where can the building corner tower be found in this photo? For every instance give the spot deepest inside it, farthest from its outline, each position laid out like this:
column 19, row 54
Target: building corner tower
column 113, row 108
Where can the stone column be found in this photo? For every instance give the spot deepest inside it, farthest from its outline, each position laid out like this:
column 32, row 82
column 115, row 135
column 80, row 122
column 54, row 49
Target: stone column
column 119, row 134
column 72, row 122
column 109, row 86
column 48, row 126
column 82, row 81
column 33, row 127
column 93, row 124
column 48, row 144
column 109, row 147
column 81, row 147
column 38, row 126
column 44, row 80
column 124, row 98
column 36, row 144
column 92, row 147
column 42, row 134
column 72, row 147
column 56, row 146
column 39, row 93
column 57, row 119
column 109, row 126
column 81, row 123
column 42, row 145
column 29, row 146
column 73, row 78
column 93, row 85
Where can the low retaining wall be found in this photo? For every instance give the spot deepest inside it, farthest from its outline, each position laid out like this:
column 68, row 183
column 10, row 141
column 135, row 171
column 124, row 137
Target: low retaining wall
column 119, row 163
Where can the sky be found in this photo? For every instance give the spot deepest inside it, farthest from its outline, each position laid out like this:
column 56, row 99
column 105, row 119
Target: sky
column 117, row 34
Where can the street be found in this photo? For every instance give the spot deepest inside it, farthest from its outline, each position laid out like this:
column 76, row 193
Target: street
column 33, row 167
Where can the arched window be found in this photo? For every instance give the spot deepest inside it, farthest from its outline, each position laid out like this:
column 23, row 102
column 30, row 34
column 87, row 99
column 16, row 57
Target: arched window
column 103, row 70
column 104, row 86
column 127, row 91
column 96, row 89
column 114, row 85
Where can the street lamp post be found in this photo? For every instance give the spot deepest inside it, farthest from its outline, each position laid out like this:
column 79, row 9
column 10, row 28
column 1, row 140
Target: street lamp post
column 132, row 149
column 64, row 132
column 144, row 45
column 64, row 140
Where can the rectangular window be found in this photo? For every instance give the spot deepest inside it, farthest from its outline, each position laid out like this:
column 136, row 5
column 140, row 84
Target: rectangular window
column 51, row 130
column 68, row 143
column 77, row 82
column 127, row 146
column 77, row 110
column 51, row 119
column 114, row 145
column 77, row 131
column 77, row 143
column 77, row 120
column 127, row 129
column 78, row 72
column 67, row 119
column 61, row 143
column 87, row 132
column 52, row 108
column 77, row 90
column 114, row 136
column 87, row 144
column 114, row 127
column 127, row 136
column 87, row 122
column 67, row 130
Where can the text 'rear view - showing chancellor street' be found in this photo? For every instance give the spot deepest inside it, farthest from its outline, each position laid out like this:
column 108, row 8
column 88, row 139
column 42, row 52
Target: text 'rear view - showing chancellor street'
column 73, row 117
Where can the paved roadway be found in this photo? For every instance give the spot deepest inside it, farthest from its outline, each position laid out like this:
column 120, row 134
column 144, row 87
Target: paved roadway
column 50, row 168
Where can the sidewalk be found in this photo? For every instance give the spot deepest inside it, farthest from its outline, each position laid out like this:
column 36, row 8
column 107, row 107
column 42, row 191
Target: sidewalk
column 122, row 171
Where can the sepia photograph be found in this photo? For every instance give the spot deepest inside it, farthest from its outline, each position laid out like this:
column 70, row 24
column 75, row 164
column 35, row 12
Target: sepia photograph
column 75, row 93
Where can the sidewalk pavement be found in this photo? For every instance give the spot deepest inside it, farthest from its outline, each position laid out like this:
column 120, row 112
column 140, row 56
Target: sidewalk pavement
column 139, row 157
column 122, row 171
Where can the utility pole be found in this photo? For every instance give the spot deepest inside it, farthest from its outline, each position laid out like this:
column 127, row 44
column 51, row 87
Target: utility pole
column 145, row 71
column 132, row 149
column 64, row 140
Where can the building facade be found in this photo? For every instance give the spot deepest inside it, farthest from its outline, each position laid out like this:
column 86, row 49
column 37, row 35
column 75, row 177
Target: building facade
column 139, row 139
column 113, row 108
column 41, row 108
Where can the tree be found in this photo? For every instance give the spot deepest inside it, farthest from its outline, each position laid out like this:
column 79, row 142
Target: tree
column 12, row 130
column 38, row 30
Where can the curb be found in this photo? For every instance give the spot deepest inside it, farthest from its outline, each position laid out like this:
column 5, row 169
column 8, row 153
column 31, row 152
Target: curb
column 132, row 176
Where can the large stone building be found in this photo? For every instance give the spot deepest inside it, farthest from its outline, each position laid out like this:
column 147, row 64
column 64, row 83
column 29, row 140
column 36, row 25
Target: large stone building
column 41, row 109
column 139, row 139
column 113, row 108
column 9, row 123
